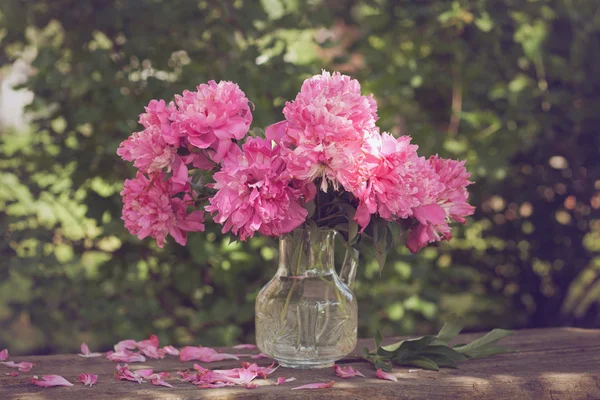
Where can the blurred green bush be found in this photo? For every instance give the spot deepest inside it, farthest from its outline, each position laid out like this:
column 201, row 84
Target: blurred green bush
column 511, row 86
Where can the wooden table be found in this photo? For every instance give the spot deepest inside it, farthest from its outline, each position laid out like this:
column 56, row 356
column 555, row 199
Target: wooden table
column 559, row 363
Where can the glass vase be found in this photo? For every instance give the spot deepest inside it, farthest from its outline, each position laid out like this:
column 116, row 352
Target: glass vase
column 306, row 316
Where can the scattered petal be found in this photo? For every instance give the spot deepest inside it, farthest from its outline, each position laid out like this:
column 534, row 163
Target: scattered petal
column 245, row 346
column 170, row 350
column 23, row 366
column 87, row 379
column 128, row 344
column 414, row 370
column 281, row 380
column 4, row 355
column 346, row 372
column 85, row 352
column 204, row 354
column 14, row 373
column 144, row 373
column 315, row 386
column 158, row 381
column 123, row 373
column 259, row 356
column 50, row 380
column 385, row 375
column 125, row 356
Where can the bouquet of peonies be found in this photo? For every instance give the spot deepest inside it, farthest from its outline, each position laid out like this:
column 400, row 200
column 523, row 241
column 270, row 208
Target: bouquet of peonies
column 326, row 165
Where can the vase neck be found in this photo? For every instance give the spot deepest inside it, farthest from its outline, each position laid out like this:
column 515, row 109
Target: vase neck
column 304, row 253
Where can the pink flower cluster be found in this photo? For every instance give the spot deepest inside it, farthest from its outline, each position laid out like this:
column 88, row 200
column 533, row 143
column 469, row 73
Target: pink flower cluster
column 195, row 131
column 329, row 139
column 329, row 135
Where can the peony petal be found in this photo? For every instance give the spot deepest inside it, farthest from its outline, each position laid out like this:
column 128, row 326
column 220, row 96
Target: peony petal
column 157, row 381
column 245, row 346
column 346, row 372
column 204, row 354
column 385, row 375
column 4, row 355
column 315, row 386
column 170, row 350
column 85, row 352
column 144, row 373
column 123, row 373
column 125, row 356
column 259, row 356
column 281, row 380
column 128, row 344
column 23, row 366
column 87, row 379
column 14, row 373
column 50, row 380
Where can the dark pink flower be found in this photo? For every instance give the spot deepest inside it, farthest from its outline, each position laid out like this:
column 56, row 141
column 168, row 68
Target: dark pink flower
column 150, row 209
column 212, row 117
column 449, row 203
column 254, row 194
column 148, row 151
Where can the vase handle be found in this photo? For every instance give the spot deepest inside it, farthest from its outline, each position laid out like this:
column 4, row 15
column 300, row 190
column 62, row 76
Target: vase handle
column 348, row 271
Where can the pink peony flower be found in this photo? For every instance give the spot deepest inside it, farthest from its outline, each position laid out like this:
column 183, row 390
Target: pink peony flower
column 394, row 184
column 149, row 209
column 450, row 203
column 158, row 114
column 212, row 117
column 254, row 194
column 324, row 129
column 148, row 150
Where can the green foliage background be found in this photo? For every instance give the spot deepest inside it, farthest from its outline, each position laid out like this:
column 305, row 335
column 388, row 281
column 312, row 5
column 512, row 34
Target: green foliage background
column 510, row 85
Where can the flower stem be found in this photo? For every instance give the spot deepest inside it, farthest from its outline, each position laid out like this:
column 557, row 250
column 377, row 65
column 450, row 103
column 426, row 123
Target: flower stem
column 294, row 283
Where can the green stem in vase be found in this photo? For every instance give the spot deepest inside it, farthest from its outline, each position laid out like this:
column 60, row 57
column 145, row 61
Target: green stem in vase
column 294, row 283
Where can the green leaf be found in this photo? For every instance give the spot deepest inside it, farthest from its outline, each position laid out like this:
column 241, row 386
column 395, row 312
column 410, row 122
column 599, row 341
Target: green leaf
column 310, row 207
column 488, row 351
column 479, row 347
column 421, row 362
column 406, row 345
column 451, row 328
column 378, row 338
column 384, row 365
column 441, row 360
column 444, row 351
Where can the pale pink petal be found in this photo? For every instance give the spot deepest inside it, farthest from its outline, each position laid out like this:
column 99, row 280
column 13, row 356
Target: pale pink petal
column 50, row 380
column 157, row 381
column 153, row 352
column 14, row 373
column 85, row 352
column 87, row 379
column 170, row 350
column 123, row 373
column 23, row 366
column 204, row 354
column 4, row 355
column 245, row 346
column 346, row 372
column 144, row 373
column 259, row 356
column 152, row 341
column 125, row 356
column 381, row 374
column 281, row 380
column 315, row 386
column 128, row 344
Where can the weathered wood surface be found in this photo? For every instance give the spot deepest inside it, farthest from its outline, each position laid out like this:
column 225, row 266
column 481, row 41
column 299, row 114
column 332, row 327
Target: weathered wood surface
column 560, row 363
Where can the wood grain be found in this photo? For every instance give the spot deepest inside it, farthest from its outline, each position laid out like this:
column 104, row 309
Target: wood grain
column 558, row 363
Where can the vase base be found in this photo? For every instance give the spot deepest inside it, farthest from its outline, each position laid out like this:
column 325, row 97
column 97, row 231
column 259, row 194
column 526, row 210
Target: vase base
column 308, row 364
